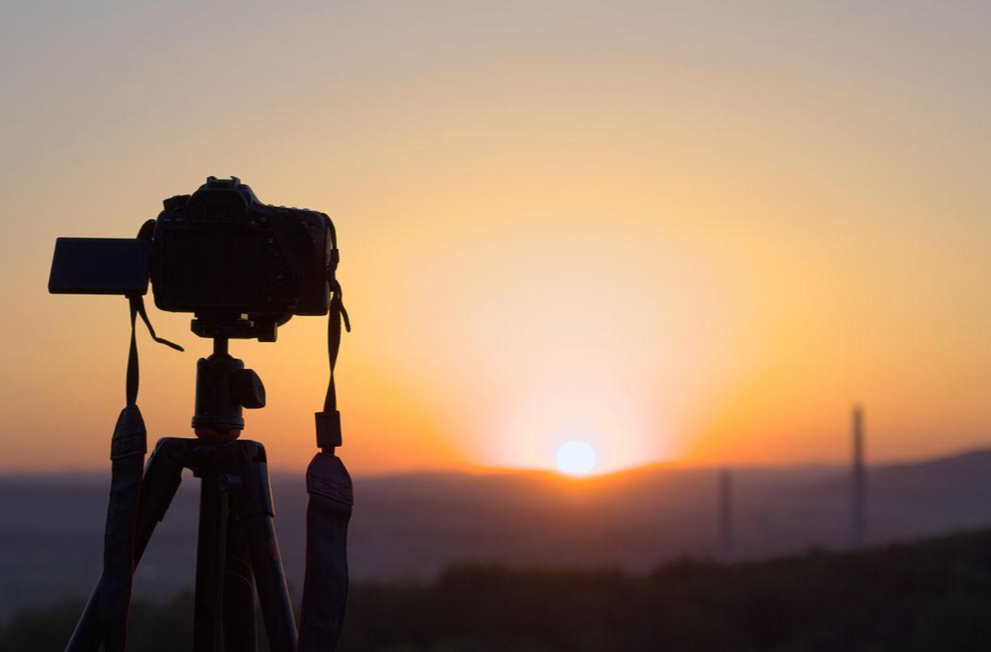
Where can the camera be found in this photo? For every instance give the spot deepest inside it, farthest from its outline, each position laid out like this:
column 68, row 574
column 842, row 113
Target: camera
column 243, row 267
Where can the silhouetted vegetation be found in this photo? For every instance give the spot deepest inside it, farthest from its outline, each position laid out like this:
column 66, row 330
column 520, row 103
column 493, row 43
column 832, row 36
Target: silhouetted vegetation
column 923, row 597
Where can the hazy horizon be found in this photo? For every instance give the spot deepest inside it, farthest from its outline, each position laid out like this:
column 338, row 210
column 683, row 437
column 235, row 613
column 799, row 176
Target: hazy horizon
column 590, row 478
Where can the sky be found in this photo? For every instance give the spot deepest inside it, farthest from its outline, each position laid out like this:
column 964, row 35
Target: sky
column 687, row 232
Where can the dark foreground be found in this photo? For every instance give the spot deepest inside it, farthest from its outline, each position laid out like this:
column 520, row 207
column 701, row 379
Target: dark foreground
column 929, row 596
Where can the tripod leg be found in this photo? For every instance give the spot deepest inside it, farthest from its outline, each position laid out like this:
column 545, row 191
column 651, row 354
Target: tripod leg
column 258, row 515
column 211, row 549
column 240, row 632
column 273, row 593
column 161, row 481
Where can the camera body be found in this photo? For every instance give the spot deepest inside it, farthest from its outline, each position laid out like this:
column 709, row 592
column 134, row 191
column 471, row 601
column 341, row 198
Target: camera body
column 221, row 251
column 243, row 267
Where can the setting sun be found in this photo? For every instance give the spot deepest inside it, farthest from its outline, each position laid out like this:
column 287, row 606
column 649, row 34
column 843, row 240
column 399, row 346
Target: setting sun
column 575, row 458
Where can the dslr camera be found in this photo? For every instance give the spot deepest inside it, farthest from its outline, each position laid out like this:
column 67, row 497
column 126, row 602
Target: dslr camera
column 241, row 266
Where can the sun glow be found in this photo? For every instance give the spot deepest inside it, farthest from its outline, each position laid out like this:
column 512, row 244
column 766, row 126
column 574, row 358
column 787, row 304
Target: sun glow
column 575, row 458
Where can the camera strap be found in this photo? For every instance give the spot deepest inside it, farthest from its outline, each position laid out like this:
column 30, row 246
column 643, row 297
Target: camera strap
column 127, row 450
column 325, row 583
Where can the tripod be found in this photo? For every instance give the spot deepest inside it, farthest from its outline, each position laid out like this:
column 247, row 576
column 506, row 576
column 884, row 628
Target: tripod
column 237, row 549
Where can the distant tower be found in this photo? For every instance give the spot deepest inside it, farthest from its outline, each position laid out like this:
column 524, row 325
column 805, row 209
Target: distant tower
column 725, row 513
column 859, row 479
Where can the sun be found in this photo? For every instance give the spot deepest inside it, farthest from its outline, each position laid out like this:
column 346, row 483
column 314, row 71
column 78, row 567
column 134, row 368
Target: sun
column 575, row 458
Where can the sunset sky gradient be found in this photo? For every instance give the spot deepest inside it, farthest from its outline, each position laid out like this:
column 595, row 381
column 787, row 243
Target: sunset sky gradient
column 685, row 231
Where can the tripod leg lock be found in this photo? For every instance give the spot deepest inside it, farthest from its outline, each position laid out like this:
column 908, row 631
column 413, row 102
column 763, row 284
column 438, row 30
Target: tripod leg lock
column 328, row 430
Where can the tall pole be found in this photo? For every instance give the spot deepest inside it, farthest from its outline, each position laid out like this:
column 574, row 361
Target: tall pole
column 859, row 479
column 726, row 513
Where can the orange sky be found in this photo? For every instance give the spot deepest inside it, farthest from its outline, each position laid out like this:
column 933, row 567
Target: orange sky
column 675, row 230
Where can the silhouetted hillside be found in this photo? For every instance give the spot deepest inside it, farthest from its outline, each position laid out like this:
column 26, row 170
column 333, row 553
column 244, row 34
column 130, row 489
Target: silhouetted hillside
column 413, row 526
column 933, row 596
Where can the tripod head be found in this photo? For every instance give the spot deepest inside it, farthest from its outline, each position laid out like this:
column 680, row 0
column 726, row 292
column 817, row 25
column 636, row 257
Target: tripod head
column 224, row 387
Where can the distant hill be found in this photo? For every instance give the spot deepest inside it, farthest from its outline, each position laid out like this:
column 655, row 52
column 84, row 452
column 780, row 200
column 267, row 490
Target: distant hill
column 413, row 526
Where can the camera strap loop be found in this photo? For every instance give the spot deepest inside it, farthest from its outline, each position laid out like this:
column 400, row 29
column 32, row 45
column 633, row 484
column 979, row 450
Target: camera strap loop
column 151, row 329
column 127, row 450
column 329, row 420
column 132, row 377
column 338, row 315
column 325, row 583
column 137, row 305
